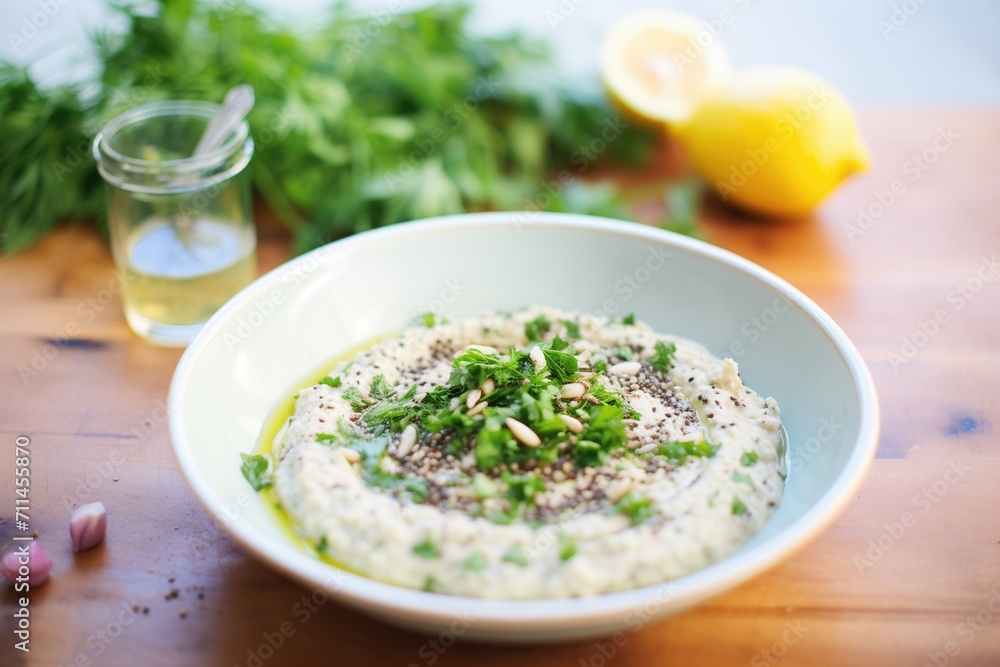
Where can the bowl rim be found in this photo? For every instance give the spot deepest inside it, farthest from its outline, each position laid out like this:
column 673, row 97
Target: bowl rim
column 418, row 606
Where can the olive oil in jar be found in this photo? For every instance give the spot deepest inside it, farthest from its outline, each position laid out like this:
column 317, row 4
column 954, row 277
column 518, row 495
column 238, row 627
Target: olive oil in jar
column 179, row 272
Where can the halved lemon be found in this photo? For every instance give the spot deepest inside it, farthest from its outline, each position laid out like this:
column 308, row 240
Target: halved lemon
column 658, row 65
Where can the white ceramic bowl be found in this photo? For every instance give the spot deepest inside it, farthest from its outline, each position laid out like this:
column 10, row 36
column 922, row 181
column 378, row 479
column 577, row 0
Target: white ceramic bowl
column 338, row 296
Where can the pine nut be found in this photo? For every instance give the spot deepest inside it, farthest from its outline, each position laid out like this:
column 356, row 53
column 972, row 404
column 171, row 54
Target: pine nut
column 537, row 358
column 407, row 439
column 625, row 368
column 572, row 423
column 522, row 433
column 473, row 398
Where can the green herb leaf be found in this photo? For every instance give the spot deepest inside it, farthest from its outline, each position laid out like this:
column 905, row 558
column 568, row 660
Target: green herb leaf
column 491, row 443
column 572, row 329
column 357, row 400
column 516, row 556
column 749, row 458
column 331, row 382
column 743, row 478
column 522, row 488
column 381, row 389
column 560, row 361
column 483, row 487
column 739, row 507
column 679, row 452
column 371, row 450
column 635, row 506
column 663, row 358
column 567, row 547
column 603, row 433
column 629, row 319
column 408, row 487
column 471, row 368
column 612, row 398
column 321, row 544
column 427, row 548
column 254, row 469
column 394, row 414
column 538, row 328
column 476, row 562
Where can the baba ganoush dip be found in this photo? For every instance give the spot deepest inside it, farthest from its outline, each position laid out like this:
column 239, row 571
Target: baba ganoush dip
column 539, row 454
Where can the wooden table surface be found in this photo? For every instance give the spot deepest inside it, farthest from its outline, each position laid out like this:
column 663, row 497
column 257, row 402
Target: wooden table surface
column 908, row 575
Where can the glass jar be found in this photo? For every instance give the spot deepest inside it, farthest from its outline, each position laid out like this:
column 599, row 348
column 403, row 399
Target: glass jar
column 181, row 227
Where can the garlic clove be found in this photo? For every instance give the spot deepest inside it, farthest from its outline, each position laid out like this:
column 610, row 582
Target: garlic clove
column 88, row 525
column 35, row 562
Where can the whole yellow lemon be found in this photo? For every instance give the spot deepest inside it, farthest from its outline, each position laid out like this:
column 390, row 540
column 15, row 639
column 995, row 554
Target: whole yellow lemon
column 774, row 140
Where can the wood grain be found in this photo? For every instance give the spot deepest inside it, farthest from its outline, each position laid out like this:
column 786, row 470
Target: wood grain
column 867, row 592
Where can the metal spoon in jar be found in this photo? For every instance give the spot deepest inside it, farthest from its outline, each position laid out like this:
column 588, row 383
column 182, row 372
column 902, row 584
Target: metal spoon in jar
column 236, row 105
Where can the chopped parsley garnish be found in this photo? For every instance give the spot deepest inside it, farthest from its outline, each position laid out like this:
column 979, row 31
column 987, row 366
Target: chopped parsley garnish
column 663, row 358
column 516, row 556
column 392, row 413
column 567, row 546
column 331, row 382
column 629, row 319
column 321, row 545
column 370, row 449
column 602, row 434
column 426, row 548
column 428, row 586
column 522, row 488
column 429, row 319
column 492, row 441
column 600, row 366
column 560, row 360
column 345, row 432
column 749, row 458
column 254, row 468
column 471, row 368
column 743, row 478
column 572, row 329
column 357, row 400
column 476, row 562
column 739, row 507
column 635, row 506
column 679, row 452
column 415, row 488
column 536, row 329
column 381, row 389
column 625, row 353
column 483, row 487
column 612, row 398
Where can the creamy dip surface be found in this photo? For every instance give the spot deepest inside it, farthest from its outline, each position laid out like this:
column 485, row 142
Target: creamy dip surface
column 537, row 454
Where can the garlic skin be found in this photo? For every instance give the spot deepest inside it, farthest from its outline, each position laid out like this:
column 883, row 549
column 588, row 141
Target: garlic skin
column 37, row 565
column 88, row 525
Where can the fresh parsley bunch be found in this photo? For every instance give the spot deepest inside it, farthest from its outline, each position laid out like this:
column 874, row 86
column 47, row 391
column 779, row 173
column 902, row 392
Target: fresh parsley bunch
column 361, row 121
